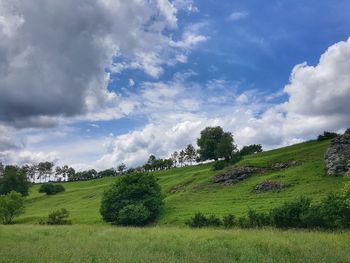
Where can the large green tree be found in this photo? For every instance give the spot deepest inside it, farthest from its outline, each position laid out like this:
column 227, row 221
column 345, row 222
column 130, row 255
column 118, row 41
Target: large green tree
column 214, row 143
column 14, row 179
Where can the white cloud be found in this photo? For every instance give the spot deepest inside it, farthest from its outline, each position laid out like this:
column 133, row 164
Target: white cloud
column 237, row 15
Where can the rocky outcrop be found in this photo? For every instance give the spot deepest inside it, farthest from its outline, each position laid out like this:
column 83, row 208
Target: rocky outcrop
column 338, row 154
column 237, row 174
column 268, row 186
column 284, row 165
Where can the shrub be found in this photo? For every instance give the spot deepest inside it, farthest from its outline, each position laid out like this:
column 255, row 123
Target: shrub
column 335, row 212
column 199, row 220
column 229, row 221
column 326, row 136
column 11, row 205
column 290, row 214
column 51, row 189
column 58, row 217
column 134, row 214
column 219, row 165
column 214, row 221
column 131, row 194
column 254, row 219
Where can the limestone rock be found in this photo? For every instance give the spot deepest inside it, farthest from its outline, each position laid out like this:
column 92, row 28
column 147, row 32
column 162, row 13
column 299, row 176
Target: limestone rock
column 268, row 186
column 338, row 154
column 236, row 175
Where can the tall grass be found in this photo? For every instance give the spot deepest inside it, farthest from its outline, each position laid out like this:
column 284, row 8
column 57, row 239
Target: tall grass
column 29, row 243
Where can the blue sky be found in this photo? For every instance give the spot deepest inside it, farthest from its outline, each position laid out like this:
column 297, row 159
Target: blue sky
column 130, row 79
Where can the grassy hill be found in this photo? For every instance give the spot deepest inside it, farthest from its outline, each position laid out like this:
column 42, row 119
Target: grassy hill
column 191, row 189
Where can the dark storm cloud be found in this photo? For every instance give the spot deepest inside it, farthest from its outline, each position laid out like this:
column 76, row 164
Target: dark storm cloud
column 53, row 54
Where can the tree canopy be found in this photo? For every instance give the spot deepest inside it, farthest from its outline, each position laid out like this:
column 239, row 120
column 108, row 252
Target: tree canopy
column 214, row 143
column 14, row 179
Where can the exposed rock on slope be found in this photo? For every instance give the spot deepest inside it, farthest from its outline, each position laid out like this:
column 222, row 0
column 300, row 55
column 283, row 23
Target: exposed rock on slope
column 240, row 173
column 236, row 175
column 338, row 154
column 268, row 186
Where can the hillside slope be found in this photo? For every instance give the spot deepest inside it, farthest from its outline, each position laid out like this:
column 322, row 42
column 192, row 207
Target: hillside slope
column 191, row 189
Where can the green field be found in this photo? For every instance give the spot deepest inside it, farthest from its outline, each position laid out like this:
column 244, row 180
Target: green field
column 187, row 190
column 26, row 243
column 191, row 189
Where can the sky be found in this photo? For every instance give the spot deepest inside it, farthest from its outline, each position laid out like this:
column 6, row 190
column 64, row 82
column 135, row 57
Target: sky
column 97, row 83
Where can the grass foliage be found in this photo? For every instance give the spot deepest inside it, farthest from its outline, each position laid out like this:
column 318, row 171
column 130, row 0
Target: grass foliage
column 28, row 243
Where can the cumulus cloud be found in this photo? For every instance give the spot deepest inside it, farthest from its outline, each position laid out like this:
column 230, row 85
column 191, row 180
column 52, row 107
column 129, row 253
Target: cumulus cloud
column 54, row 54
column 318, row 101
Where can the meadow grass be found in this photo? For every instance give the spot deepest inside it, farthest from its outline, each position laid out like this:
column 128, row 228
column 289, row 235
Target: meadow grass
column 88, row 243
column 191, row 189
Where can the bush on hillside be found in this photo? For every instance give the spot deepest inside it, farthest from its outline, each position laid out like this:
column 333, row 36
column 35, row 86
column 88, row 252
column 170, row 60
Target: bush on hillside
column 327, row 136
column 200, row 220
column 11, row 205
column 135, row 199
column 51, row 189
column 219, row 165
column 333, row 212
column 229, row 221
column 290, row 214
column 58, row 217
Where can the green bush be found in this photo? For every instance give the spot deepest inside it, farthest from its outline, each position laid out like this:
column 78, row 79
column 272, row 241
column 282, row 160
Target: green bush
column 335, row 212
column 58, row 217
column 51, row 189
column 200, row 220
column 219, row 165
column 290, row 214
column 134, row 214
column 131, row 194
column 11, row 205
column 229, row 221
column 327, row 136
column 214, row 221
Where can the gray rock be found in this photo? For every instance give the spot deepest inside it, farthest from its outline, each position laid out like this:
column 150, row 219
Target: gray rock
column 338, row 154
column 279, row 166
column 268, row 186
column 236, row 175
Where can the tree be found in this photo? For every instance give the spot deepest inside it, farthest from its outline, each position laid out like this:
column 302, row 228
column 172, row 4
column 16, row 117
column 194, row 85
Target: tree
column 175, row 157
column 251, row 149
column 107, row 173
column 121, row 168
column 2, row 169
column 214, row 143
column 191, row 153
column 14, row 179
column 182, row 157
column 135, row 199
column 45, row 170
column 226, row 147
column 32, row 172
column 11, row 205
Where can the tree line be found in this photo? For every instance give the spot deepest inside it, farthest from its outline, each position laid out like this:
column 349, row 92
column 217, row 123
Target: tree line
column 213, row 144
